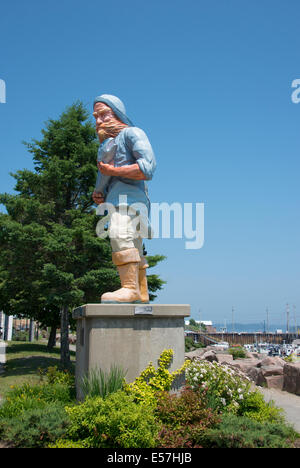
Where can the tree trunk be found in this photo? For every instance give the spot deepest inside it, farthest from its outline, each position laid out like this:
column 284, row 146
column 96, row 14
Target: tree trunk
column 64, row 337
column 31, row 330
column 52, row 338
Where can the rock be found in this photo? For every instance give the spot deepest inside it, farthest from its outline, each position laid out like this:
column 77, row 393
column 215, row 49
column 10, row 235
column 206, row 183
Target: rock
column 255, row 355
column 268, row 371
column 271, row 370
column 196, row 354
column 237, row 371
column 291, row 373
column 254, row 373
column 272, row 361
column 209, row 356
column 224, row 358
column 275, row 381
column 245, row 364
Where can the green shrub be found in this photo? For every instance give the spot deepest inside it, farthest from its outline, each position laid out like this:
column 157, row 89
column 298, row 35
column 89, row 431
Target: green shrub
column 255, row 407
column 238, row 352
column 65, row 443
column 241, row 432
column 190, row 344
column 35, row 427
column 114, row 422
column 54, row 375
column 151, row 380
column 28, row 397
column 224, row 389
column 184, row 417
column 20, row 335
column 101, row 383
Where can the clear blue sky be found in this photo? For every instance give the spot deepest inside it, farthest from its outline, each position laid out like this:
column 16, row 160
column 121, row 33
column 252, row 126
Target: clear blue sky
column 210, row 83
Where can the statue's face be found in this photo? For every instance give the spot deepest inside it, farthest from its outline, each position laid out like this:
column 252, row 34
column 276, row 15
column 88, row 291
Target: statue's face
column 103, row 117
column 107, row 123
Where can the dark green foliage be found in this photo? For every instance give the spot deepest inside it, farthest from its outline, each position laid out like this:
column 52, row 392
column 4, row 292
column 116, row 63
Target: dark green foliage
column 36, row 427
column 34, row 415
column 242, row 432
column 190, row 344
column 238, row 352
column 154, row 281
column 193, row 325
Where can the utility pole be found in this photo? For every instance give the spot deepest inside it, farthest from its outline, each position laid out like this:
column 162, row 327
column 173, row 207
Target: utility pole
column 267, row 310
column 232, row 324
column 287, row 318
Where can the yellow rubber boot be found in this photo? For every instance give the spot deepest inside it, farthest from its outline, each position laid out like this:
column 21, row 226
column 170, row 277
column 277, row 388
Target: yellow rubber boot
column 127, row 262
column 143, row 284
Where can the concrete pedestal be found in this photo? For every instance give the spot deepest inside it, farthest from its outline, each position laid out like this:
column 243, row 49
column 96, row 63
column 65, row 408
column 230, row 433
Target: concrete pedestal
column 127, row 335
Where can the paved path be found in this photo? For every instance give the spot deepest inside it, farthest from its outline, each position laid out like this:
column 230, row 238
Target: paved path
column 289, row 402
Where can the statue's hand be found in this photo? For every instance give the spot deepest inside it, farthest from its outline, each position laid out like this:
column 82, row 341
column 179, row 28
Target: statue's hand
column 106, row 169
column 98, row 198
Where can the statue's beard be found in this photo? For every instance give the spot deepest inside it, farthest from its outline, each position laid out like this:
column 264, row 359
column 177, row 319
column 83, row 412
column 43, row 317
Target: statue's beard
column 110, row 129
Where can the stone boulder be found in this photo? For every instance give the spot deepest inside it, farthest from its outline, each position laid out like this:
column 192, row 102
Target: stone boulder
column 291, row 374
column 253, row 373
column 271, row 370
column 224, row 358
column 271, row 361
column 245, row 364
column 274, row 381
column 266, row 374
column 198, row 353
column 254, row 355
column 209, row 356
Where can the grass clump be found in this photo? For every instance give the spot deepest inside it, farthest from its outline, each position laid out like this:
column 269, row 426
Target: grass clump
column 101, row 383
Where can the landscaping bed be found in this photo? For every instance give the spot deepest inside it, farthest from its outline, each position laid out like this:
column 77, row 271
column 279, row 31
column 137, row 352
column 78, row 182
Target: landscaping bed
column 216, row 409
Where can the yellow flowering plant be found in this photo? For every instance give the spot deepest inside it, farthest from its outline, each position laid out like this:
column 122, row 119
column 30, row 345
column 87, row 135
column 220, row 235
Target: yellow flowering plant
column 152, row 381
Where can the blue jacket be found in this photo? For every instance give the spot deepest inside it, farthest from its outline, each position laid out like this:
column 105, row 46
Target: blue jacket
column 130, row 146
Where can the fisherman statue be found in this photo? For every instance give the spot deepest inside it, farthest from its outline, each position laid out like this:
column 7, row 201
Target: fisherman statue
column 125, row 162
